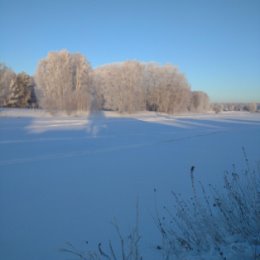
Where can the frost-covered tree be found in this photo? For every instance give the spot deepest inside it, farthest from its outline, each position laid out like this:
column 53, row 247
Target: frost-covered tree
column 121, row 85
column 217, row 107
column 133, row 86
column 7, row 76
column 22, row 91
column 199, row 102
column 64, row 82
column 251, row 107
column 167, row 89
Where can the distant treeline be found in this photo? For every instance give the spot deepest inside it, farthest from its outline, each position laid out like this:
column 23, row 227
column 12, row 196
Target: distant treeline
column 66, row 82
column 250, row 107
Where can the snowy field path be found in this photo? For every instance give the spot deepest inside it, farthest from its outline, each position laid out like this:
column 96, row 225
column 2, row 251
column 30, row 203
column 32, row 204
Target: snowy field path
column 65, row 178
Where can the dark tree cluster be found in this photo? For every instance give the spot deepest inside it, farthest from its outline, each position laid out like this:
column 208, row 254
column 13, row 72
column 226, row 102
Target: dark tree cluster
column 16, row 90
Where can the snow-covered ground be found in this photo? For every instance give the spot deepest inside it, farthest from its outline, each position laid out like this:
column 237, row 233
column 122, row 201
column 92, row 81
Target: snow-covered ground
column 65, row 178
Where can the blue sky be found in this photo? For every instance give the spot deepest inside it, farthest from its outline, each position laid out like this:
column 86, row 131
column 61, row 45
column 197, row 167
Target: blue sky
column 215, row 43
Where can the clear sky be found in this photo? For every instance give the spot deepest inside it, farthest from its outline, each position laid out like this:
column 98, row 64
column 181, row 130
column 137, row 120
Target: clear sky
column 215, row 43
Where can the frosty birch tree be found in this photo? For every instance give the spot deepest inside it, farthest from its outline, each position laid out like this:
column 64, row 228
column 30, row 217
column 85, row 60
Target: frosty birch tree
column 7, row 76
column 121, row 85
column 64, row 82
column 167, row 89
column 251, row 107
column 133, row 86
column 199, row 101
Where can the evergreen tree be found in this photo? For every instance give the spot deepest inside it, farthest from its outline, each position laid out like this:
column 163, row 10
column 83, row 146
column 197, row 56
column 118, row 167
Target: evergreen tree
column 22, row 91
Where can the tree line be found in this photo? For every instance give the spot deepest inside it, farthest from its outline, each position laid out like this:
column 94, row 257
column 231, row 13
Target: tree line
column 66, row 82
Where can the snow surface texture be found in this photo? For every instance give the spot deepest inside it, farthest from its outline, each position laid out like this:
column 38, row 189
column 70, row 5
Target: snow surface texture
column 65, row 178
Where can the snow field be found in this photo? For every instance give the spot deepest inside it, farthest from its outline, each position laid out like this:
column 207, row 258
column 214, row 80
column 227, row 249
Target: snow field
column 65, row 178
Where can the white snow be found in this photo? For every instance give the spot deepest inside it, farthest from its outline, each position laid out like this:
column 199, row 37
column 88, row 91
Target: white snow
column 64, row 178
